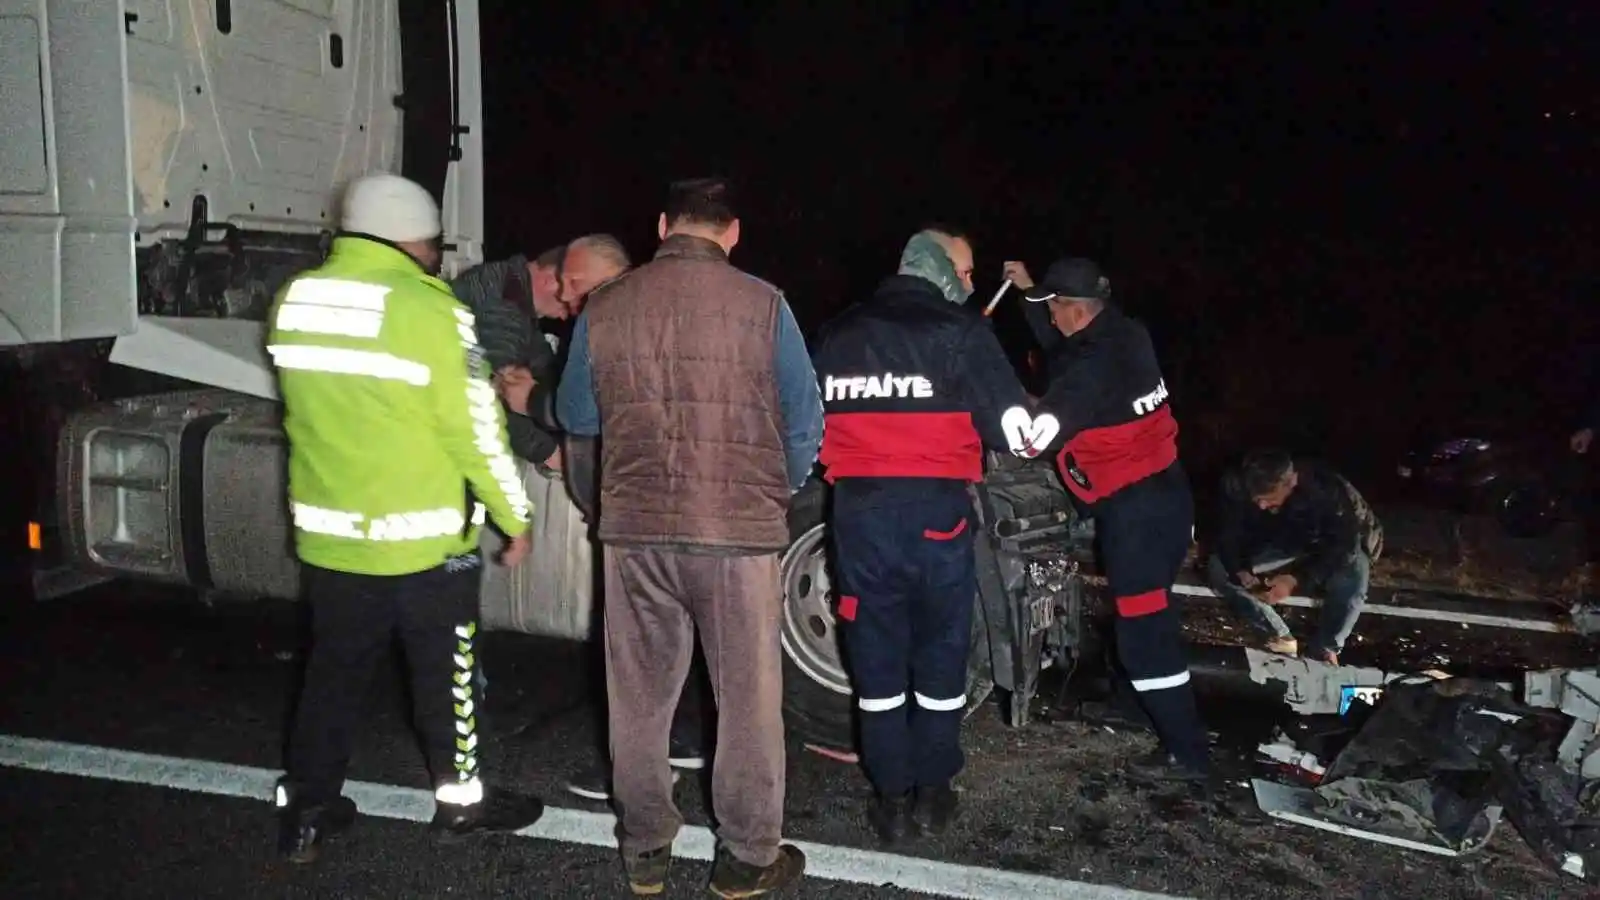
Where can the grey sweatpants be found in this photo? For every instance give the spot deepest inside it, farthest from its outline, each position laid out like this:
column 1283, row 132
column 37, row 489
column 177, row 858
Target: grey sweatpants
column 655, row 600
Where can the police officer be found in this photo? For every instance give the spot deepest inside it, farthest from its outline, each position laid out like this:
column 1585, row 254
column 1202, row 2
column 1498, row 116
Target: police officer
column 1116, row 448
column 397, row 453
column 914, row 385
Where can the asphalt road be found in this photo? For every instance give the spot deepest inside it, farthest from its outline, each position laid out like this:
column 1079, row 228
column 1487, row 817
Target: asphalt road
column 150, row 671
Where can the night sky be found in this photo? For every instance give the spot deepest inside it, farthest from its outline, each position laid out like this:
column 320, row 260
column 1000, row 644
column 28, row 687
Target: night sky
column 1345, row 224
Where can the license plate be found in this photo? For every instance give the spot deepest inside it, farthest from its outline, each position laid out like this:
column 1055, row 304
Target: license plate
column 1405, row 471
column 1350, row 692
column 1041, row 614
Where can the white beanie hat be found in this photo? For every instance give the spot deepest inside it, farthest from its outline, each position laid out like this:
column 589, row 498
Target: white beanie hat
column 390, row 207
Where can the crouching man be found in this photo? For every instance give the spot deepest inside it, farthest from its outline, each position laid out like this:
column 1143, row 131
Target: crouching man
column 1287, row 526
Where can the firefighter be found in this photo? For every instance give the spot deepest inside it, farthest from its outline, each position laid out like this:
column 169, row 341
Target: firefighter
column 1116, row 449
column 914, row 385
column 397, row 454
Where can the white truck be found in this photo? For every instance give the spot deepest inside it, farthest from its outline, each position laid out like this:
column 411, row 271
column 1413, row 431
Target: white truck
column 167, row 164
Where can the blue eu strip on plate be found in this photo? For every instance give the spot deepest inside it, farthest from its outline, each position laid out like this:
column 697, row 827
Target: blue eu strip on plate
column 1350, row 692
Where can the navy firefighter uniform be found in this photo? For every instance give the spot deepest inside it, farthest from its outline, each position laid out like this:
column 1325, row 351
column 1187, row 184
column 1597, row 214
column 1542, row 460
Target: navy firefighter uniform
column 914, row 386
column 1117, row 452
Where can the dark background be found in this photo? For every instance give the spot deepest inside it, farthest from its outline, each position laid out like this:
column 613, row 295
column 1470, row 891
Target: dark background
column 1345, row 224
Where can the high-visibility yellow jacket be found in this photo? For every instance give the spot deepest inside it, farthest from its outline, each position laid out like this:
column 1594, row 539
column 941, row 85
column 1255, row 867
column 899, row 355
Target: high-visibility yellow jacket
column 397, row 442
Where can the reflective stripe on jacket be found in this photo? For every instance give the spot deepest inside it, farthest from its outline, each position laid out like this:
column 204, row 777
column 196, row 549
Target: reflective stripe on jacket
column 397, row 442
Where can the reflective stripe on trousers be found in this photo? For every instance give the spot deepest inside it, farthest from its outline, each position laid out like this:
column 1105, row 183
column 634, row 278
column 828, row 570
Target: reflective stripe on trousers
column 884, row 704
column 467, row 788
column 1162, row 683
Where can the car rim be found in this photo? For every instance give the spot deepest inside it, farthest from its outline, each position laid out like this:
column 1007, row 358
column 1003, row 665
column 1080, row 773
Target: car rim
column 810, row 631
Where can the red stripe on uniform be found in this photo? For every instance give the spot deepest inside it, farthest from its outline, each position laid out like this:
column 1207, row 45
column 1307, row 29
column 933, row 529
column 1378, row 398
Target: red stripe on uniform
column 1144, row 604
column 901, row 445
column 950, row 535
column 1113, row 457
column 847, row 608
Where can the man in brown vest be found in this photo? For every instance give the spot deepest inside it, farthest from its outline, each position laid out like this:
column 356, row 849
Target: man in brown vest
column 696, row 379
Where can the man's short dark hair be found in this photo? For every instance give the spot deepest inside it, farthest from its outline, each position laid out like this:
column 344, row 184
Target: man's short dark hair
column 700, row 201
column 1264, row 470
column 551, row 259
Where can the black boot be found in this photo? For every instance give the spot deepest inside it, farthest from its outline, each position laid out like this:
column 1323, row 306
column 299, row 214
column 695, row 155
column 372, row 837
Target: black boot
column 935, row 809
column 303, row 826
column 1160, row 767
column 498, row 811
column 891, row 817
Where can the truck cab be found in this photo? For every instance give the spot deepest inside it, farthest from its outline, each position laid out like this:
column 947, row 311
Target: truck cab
column 165, row 168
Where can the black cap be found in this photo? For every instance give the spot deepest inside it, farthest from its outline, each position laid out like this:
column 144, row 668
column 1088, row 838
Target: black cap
column 1071, row 279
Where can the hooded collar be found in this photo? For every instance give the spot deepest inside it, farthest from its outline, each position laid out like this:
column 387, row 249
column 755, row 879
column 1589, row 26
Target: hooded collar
column 926, row 258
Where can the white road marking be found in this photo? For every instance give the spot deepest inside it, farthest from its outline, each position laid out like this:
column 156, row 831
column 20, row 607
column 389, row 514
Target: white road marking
column 565, row 825
column 1409, row 612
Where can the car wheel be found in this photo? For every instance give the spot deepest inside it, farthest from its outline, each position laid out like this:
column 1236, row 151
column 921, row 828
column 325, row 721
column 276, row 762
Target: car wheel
column 818, row 701
column 1526, row 509
column 818, row 698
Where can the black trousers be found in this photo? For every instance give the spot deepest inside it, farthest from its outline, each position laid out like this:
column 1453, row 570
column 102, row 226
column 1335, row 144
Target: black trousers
column 907, row 585
column 354, row 620
column 1145, row 530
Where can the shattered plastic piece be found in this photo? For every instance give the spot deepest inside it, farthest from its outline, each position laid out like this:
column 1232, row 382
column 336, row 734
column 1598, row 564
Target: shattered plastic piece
column 1585, row 617
column 1051, row 574
column 1284, row 751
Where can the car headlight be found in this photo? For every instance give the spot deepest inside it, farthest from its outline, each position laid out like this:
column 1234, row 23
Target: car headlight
column 128, row 481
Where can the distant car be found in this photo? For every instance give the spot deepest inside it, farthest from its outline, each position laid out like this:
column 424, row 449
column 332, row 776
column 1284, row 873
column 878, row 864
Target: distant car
column 1527, row 484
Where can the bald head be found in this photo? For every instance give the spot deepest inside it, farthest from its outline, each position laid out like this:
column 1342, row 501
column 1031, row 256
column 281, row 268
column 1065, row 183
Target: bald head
column 959, row 249
column 591, row 260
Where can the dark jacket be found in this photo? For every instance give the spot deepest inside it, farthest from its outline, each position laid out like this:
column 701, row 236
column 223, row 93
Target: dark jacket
column 1323, row 522
column 500, row 295
column 1108, row 394
column 695, row 377
column 913, row 387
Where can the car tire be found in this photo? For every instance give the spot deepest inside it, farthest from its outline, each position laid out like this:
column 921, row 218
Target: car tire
column 818, row 705
column 1526, row 508
column 815, row 710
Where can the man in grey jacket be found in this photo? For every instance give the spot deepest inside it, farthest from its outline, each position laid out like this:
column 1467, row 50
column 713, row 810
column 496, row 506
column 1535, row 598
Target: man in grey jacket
column 508, row 298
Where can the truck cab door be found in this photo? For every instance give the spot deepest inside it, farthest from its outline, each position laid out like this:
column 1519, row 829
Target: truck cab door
column 67, row 221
